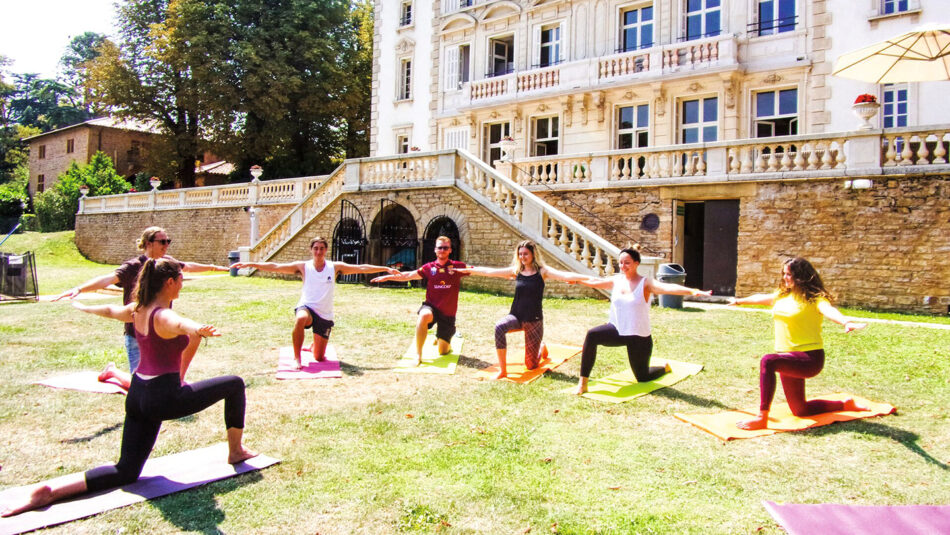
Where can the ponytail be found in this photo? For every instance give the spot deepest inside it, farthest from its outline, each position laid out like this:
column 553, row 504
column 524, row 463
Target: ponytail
column 152, row 278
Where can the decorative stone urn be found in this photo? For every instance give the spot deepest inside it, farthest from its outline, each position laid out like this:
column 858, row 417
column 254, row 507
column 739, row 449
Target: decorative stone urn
column 865, row 111
column 508, row 146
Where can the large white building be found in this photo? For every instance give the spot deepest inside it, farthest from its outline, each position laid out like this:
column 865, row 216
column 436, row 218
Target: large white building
column 581, row 76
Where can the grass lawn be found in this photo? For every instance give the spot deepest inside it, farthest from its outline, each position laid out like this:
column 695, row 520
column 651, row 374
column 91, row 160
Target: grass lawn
column 378, row 452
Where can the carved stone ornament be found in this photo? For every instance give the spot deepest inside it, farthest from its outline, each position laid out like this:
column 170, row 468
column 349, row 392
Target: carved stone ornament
column 568, row 106
column 455, row 121
column 659, row 101
column 516, row 113
column 629, row 95
column 494, row 115
column 694, row 87
column 542, row 107
column 585, row 108
column 601, row 106
column 772, row 79
column 405, row 45
column 729, row 88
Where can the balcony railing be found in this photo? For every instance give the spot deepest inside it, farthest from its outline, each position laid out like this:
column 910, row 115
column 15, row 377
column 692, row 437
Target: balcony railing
column 773, row 26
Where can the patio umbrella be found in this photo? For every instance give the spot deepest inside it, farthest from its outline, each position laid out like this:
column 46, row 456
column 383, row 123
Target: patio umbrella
column 917, row 56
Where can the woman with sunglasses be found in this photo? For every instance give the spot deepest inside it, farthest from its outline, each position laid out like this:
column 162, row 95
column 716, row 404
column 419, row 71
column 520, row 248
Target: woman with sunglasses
column 154, row 244
column 529, row 272
column 158, row 392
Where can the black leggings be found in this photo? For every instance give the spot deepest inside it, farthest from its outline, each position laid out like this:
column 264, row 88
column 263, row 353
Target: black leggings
column 639, row 349
column 151, row 401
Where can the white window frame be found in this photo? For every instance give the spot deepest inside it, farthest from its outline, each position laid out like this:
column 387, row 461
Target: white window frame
column 560, row 46
column 509, row 65
column 535, row 141
column 402, row 142
column 702, row 12
column 635, row 130
column 638, row 25
column 486, row 139
column 404, row 80
column 908, row 6
column 775, row 24
column 703, row 121
column 456, row 138
column 406, row 15
column 458, row 66
column 777, row 113
column 894, row 114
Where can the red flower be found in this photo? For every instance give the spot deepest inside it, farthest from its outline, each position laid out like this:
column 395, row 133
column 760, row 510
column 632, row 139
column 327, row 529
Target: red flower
column 865, row 98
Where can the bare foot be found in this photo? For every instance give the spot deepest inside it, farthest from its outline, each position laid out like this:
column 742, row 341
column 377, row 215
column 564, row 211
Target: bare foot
column 543, row 354
column 107, row 373
column 581, row 387
column 321, row 359
column 418, row 360
column 667, row 368
column 297, row 365
column 501, row 374
column 851, row 405
column 41, row 495
column 242, row 455
column 753, row 424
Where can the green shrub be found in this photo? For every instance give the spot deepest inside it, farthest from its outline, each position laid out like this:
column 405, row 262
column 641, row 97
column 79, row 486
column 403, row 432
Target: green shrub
column 11, row 201
column 54, row 211
column 29, row 223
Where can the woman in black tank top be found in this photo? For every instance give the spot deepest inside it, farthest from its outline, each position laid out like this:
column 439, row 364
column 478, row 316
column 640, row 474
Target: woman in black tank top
column 529, row 272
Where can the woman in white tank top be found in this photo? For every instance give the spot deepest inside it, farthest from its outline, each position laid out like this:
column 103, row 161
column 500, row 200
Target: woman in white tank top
column 629, row 318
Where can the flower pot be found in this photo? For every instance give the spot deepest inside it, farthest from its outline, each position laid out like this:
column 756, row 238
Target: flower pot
column 865, row 111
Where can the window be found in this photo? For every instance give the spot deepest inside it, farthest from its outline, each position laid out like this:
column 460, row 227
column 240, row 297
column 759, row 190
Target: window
column 40, row 183
column 702, row 18
column 457, row 66
column 450, row 6
column 545, row 136
column 549, row 43
column 41, row 152
column 493, row 135
column 456, row 138
column 404, row 91
column 895, row 105
column 633, row 123
column 402, row 144
column 135, row 150
column 776, row 113
column 894, row 6
column 636, row 29
column 70, row 146
column 775, row 16
column 502, row 55
column 699, row 120
column 405, row 14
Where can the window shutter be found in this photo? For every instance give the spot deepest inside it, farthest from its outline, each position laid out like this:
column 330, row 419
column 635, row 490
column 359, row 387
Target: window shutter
column 451, row 68
column 563, row 40
column 536, row 50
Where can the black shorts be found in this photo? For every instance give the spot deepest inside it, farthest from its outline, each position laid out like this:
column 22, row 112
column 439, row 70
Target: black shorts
column 320, row 326
column 445, row 325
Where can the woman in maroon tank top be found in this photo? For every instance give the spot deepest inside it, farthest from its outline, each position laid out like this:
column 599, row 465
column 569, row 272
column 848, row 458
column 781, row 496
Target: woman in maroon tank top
column 168, row 342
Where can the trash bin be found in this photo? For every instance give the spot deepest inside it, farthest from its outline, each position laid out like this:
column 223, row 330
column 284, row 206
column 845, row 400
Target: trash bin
column 671, row 273
column 233, row 257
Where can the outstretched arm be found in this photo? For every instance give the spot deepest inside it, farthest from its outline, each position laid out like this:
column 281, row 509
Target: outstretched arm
column 756, row 299
column 348, row 269
column 91, row 285
column 674, row 289
column 287, row 269
column 116, row 312
column 498, row 273
column 563, row 276
column 829, row 311
column 597, row 282
column 169, row 323
column 400, row 276
column 194, row 267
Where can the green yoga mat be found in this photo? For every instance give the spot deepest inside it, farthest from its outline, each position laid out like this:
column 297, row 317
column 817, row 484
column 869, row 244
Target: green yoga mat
column 623, row 386
column 432, row 361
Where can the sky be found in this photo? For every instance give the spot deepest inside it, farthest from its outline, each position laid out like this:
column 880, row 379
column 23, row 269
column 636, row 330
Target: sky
column 35, row 33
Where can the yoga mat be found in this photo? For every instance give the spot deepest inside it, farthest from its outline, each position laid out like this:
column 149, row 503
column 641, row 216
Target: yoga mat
column 723, row 424
column 432, row 361
column 310, row 369
column 623, row 386
column 833, row 519
column 83, row 382
column 517, row 373
column 161, row 476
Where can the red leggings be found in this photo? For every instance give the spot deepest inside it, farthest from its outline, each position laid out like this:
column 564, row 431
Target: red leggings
column 794, row 368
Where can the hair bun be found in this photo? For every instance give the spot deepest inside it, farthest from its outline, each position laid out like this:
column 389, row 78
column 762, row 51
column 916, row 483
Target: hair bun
column 636, row 247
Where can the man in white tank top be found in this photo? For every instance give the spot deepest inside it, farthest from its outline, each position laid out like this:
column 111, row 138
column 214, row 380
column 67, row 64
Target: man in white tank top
column 315, row 308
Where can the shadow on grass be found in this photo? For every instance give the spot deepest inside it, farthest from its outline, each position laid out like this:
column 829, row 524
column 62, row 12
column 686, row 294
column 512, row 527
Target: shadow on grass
column 864, row 427
column 471, row 362
column 104, row 431
column 672, row 393
column 196, row 510
column 559, row 376
column 351, row 369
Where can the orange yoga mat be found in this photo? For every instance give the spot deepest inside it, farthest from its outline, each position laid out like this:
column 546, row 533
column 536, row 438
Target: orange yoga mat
column 723, row 424
column 517, row 373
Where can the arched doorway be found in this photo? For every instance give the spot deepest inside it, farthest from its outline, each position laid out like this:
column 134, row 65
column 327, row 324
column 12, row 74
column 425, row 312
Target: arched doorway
column 394, row 239
column 440, row 226
column 349, row 239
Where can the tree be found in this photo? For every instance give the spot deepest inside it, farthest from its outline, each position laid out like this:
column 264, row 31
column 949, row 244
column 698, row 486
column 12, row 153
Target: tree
column 146, row 77
column 357, row 94
column 57, row 207
column 44, row 103
column 74, row 65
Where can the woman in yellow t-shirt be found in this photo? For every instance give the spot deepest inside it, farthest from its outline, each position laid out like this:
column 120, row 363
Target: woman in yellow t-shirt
column 798, row 308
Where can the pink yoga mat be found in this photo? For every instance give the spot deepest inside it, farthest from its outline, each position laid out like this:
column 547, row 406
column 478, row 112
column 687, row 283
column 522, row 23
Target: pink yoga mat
column 83, row 382
column 328, row 369
column 161, row 476
column 832, row 519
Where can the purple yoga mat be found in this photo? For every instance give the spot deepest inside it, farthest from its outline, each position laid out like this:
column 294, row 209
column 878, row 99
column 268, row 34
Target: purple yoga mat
column 82, row 381
column 161, row 476
column 832, row 519
column 311, row 369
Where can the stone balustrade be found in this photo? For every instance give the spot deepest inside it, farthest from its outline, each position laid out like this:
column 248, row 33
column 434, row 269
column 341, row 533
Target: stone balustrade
column 916, row 146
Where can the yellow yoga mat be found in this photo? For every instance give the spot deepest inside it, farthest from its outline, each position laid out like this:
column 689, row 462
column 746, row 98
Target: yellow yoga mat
column 432, row 361
column 623, row 386
column 517, row 373
column 723, row 424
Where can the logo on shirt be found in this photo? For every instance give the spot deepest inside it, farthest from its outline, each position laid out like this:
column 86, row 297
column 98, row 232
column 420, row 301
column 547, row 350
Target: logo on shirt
column 434, row 270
